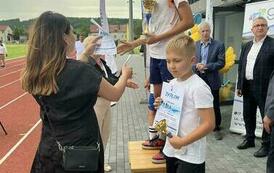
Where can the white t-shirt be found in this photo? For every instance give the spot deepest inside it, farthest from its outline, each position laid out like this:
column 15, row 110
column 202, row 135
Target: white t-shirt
column 197, row 94
column 163, row 19
column 3, row 49
column 79, row 46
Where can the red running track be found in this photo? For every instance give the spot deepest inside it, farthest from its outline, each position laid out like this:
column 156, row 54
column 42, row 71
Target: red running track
column 20, row 116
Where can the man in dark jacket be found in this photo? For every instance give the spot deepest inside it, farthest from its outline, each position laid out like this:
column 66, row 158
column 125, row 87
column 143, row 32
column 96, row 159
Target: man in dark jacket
column 255, row 67
column 210, row 56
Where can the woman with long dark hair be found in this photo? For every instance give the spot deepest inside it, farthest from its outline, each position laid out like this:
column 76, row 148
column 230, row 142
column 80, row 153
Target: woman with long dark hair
column 66, row 90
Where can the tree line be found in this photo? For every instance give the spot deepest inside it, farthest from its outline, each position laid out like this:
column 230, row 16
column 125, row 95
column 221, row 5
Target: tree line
column 80, row 25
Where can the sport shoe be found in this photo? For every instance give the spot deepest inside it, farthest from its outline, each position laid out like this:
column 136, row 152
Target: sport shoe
column 153, row 144
column 107, row 167
column 159, row 158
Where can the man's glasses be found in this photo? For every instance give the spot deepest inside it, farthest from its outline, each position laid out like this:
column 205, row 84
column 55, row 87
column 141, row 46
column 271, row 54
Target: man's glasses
column 260, row 25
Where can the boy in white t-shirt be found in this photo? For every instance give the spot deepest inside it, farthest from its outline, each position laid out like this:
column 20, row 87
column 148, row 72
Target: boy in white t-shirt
column 186, row 152
column 169, row 18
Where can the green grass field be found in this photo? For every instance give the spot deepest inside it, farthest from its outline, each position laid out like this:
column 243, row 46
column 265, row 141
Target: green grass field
column 16, row 50
column 19, row 50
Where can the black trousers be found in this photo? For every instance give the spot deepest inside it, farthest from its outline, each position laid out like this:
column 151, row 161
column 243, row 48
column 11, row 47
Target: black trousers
column 250, row 104
column 174, row 165
column 216, row 102
column 270, row 159
column 216, row 105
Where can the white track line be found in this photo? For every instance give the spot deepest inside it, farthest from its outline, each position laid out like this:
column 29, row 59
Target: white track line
column 9, row 83
column 15, row 60
column 13, row 66
column 11, row 73
column 10, row 102
column 19, row 142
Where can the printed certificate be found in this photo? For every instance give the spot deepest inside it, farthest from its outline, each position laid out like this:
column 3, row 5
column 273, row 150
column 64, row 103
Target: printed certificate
column 171, row 107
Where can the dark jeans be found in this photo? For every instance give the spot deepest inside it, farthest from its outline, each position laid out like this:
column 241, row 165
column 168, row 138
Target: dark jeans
column 270, row 159
column 216, row 105
column 250, row 104
column 174, row 165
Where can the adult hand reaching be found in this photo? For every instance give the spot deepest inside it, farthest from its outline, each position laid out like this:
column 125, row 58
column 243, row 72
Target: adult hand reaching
column 124, row 48
column 128, row 46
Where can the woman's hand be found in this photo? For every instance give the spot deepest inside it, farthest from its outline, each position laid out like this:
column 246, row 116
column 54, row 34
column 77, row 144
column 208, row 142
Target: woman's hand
column 157, row 102
column 132, row 84
column 90, row 48
column 127, row 71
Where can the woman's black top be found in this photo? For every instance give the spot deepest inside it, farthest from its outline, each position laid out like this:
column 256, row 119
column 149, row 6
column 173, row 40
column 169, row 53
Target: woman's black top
column 70, row 117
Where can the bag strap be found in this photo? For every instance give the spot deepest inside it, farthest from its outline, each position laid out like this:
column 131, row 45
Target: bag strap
column 60, row 147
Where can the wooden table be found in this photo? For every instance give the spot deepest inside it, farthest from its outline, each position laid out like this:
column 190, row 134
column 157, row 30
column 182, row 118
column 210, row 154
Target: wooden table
column 140, row 159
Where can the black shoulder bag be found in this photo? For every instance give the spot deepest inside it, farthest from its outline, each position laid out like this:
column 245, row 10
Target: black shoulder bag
column 76, row 158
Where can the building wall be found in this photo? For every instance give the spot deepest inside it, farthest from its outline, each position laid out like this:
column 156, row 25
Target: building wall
column 4, row 34
column 119, row 36
column 115, row 35
column 200, row 6
column 226, row 31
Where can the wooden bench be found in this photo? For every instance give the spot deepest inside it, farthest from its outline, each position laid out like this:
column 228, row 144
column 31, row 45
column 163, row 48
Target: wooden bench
column 140, row 159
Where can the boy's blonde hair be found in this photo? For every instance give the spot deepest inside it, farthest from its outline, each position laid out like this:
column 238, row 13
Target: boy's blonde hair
column 182, row 45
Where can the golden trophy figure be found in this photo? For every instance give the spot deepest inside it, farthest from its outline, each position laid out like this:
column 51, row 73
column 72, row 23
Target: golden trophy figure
column 161, row 126
column 148, row 9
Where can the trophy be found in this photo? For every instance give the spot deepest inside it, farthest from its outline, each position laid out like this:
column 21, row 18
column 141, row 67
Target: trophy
column 148, row 9
column 161, row 126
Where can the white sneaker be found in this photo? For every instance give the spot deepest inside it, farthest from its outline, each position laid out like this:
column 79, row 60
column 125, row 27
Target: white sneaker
column 107, row 167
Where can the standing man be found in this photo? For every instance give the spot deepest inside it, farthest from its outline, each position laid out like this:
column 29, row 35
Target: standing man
column 169, row 18
column 269, row 122
column 3, row 53
column 255, row 67
column 210, row 56
column 79, row 46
